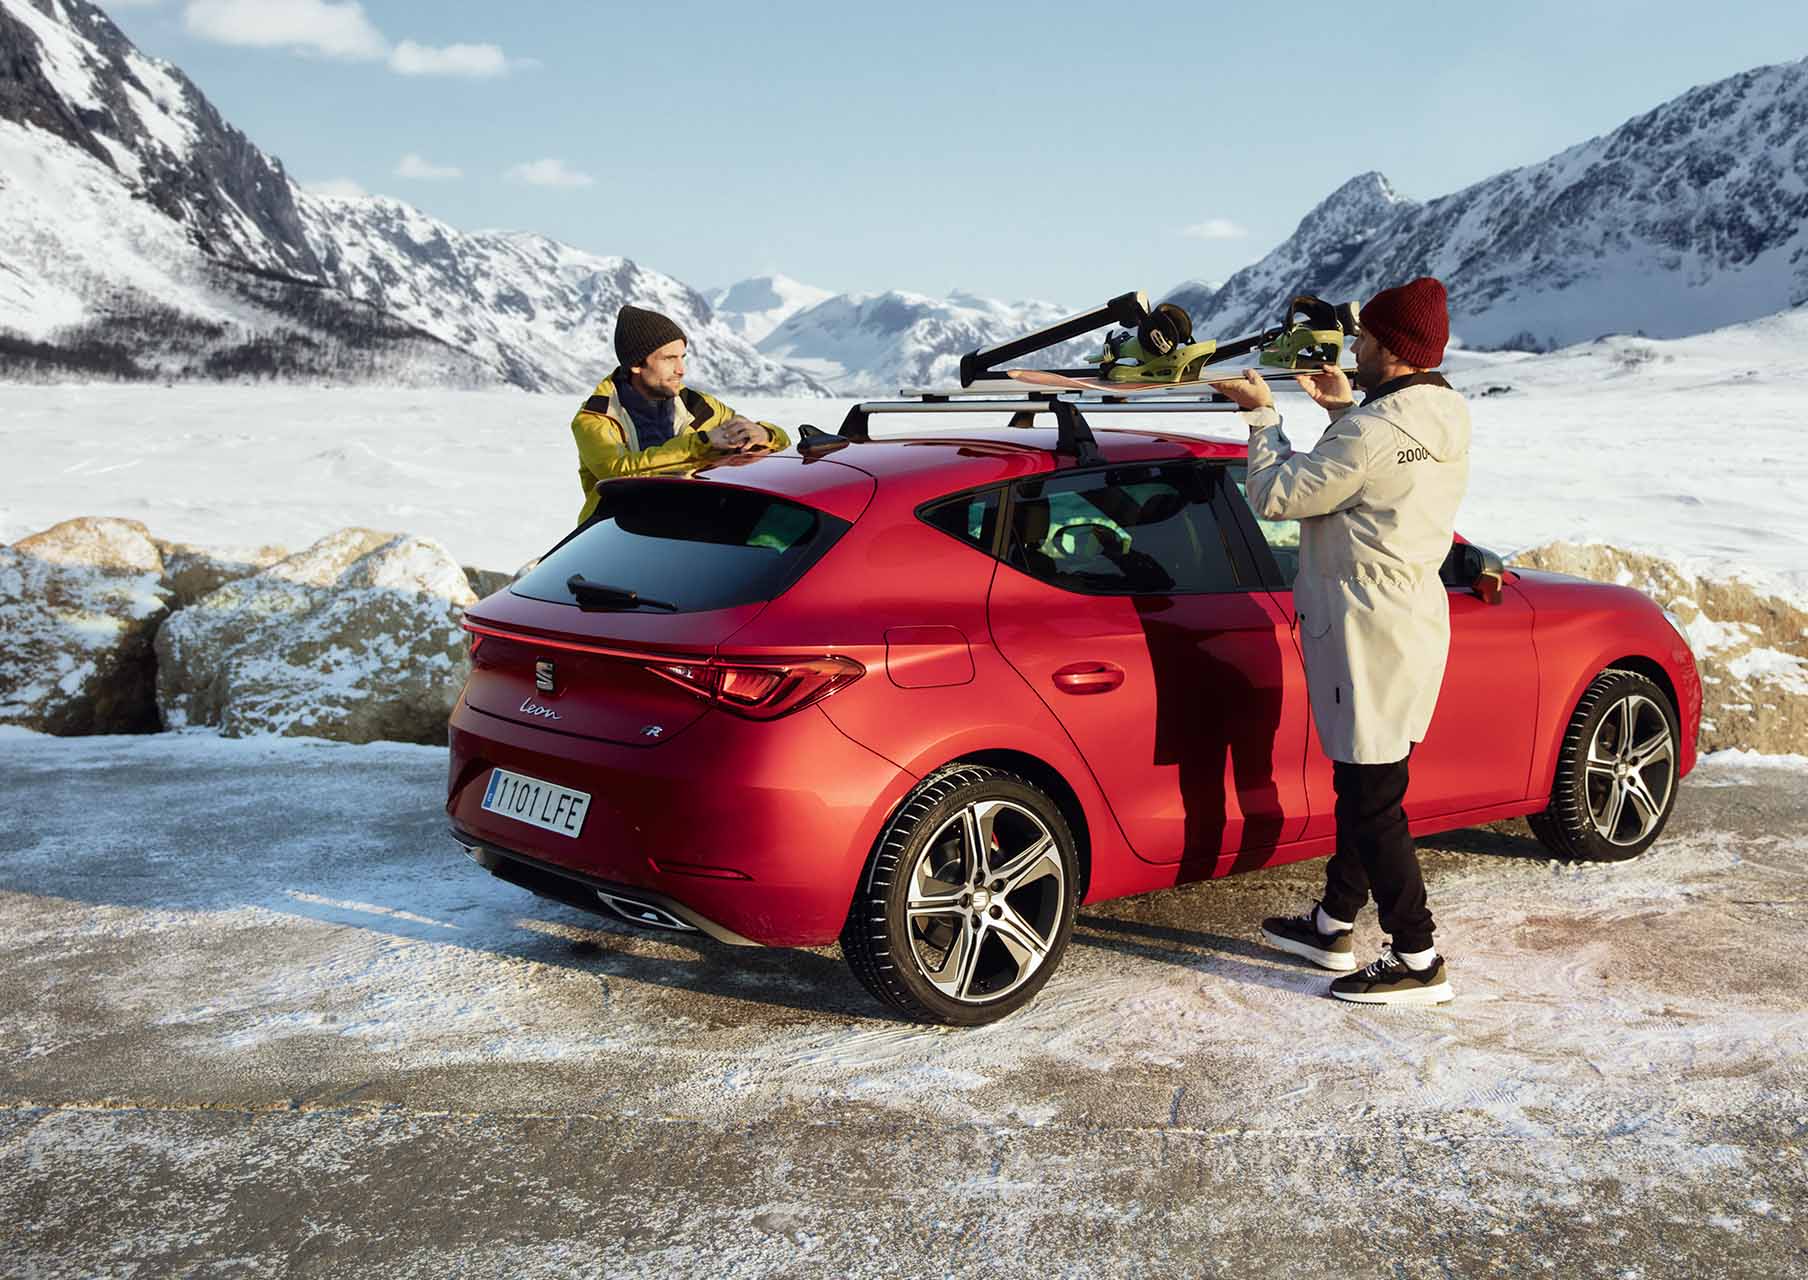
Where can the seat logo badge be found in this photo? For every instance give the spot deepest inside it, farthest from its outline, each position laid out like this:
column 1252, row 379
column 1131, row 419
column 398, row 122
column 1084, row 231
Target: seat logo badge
column 652, row 731
column 532, row 708
column 543, row 676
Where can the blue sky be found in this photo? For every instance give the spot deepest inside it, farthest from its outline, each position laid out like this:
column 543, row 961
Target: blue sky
column 1057, row 150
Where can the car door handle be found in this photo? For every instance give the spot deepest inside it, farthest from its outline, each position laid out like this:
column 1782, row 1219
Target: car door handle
column 1089, row 677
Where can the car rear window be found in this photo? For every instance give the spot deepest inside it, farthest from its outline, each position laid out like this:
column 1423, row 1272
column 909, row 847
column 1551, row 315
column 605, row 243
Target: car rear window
column 690, row 544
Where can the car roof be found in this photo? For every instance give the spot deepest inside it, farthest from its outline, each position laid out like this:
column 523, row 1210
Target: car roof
column 915, row 468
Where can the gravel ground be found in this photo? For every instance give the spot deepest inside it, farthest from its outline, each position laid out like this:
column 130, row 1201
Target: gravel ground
column 262, row 1018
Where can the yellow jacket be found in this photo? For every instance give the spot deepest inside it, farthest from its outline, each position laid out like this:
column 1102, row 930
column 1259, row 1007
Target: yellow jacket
column 609, row 444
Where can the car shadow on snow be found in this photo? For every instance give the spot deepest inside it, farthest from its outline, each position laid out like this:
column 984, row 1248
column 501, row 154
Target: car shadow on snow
column 1217, row 954
column 506, row 923
column 1510, row 839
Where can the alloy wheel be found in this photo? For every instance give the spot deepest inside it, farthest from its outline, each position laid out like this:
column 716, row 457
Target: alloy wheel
column 1630, row 770
column 985, row 902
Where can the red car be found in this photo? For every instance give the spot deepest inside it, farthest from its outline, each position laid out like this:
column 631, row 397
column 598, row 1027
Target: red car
column 925, row 696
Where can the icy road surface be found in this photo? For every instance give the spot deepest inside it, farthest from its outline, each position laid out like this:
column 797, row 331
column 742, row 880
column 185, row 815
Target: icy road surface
column 260, row 1016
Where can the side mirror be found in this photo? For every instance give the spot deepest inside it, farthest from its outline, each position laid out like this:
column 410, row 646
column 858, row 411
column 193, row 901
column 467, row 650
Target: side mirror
column 1484, row 571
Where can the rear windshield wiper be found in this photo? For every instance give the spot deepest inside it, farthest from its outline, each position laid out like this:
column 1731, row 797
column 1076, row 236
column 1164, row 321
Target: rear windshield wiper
column 600, row 595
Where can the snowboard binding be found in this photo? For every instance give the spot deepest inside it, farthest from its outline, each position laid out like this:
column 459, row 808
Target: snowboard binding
column 1313, row 334
column 1161, row 350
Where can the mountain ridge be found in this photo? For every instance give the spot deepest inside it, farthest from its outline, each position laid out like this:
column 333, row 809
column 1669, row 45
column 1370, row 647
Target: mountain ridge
column 247, row 274
column 1686, row 218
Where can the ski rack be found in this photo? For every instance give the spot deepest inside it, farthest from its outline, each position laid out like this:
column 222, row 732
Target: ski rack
column 1073, row 433
column 1129, row 310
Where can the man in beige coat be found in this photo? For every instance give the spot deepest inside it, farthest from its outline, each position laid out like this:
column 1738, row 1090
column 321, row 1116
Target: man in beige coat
column 1376, row 499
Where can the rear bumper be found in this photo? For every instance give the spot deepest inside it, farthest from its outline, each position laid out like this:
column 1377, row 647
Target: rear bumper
column 752, row 832
column 639, row 906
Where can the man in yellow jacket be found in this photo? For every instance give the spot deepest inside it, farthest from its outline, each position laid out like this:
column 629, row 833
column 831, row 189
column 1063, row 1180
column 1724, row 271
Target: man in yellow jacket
column 642, row 418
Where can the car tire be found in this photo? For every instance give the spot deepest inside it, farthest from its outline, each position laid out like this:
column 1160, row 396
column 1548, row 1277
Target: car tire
column 966, row 904
column 1615, row 785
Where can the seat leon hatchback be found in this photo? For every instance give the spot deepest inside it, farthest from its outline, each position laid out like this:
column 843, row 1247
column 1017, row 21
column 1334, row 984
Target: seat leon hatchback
column 926, row 696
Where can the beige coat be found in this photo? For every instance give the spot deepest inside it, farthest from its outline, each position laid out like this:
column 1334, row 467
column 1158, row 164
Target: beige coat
column 1376, row 499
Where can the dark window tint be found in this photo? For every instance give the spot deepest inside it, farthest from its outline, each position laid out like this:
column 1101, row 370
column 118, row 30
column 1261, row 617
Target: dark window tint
column 1282, row 536
column 972, row 518
column 693, row 544
column 1146, row 530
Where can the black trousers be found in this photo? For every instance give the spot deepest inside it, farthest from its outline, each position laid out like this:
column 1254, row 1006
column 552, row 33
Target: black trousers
column 1375, row 854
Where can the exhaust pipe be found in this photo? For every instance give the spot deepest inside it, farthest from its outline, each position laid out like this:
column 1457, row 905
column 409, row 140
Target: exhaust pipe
column 644, row 913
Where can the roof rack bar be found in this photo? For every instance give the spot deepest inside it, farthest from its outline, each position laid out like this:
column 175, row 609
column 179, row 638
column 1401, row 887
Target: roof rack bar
column 1037, row 404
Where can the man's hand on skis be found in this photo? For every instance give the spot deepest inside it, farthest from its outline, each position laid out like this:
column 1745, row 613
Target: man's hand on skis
column 1330, row 388
column 1247, row 392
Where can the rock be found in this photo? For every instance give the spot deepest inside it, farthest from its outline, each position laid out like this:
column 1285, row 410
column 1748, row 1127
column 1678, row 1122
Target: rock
column 1751, row 648
column 355, row 638
column 487, row 582
column 79, row 605
column 191, row 572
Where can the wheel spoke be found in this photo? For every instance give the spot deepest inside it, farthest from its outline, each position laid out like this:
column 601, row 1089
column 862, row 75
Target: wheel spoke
column 972, row 941
column 1027, row 947
column 1628, row 710
column 1653, row 749
column 1644, row 804
column 934, row 904
column 1032, row 864
column 946, row 976
column 973, row 844
column 1616, row 804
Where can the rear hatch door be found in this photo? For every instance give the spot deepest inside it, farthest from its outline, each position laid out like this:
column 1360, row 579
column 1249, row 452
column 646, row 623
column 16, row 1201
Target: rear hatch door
column 664, row 571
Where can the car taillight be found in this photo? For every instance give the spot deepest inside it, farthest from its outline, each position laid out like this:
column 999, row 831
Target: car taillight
column 762, row 690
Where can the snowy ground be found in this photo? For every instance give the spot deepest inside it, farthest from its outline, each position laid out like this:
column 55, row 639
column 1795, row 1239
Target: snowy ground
column 261, row 1016
column 1689, row 449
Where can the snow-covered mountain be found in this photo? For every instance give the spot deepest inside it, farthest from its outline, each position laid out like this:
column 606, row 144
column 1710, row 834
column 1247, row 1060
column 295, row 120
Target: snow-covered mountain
column 1688, row 218
column 756, row 306
column 861, row 343
column 541, row 313
column 141, row 235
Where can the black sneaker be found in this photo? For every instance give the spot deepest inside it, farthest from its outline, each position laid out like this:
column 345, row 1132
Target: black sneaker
column 1300, row 935
column 1390, row 980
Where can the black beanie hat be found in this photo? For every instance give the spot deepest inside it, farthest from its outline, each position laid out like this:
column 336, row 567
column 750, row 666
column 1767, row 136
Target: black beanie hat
column 639, row 333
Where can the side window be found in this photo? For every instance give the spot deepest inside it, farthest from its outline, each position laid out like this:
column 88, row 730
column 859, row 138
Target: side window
column 972, row 518
column 1282, row 536
column 1141, row 530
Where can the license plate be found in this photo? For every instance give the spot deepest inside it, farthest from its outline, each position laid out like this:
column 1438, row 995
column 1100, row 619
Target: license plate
column 537, row 803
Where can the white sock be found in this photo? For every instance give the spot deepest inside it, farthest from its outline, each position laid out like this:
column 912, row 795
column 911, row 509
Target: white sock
column 1417, row 959
column 1327, row 924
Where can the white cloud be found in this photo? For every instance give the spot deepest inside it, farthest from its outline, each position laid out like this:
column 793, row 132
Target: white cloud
column 344, row 188
column 482, row 60
column 334, row 30
column 133, row 4
column 1215, row 229
column 549, row 173
column 414, row 166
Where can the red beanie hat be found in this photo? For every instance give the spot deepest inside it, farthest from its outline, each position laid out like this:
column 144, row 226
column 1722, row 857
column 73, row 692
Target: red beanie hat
column 1411, row 320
